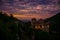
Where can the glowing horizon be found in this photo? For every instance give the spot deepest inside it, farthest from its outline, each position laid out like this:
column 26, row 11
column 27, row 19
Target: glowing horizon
column 30, row 16
column 30, row 8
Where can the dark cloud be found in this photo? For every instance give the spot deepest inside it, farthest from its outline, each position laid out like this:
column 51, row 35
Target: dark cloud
column 30, row 6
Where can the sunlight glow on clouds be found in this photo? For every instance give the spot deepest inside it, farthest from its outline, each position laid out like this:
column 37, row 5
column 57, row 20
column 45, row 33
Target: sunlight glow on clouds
column 31, row 7
column 27, row 16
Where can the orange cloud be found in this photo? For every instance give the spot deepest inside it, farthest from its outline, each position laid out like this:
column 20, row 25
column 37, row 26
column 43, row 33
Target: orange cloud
column 24, row 10
column 30, row 16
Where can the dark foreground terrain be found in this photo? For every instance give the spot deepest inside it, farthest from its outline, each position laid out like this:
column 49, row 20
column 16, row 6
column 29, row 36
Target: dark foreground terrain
column 14, row 29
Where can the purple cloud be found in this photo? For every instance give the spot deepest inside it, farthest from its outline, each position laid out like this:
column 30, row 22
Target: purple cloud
column 38, row 7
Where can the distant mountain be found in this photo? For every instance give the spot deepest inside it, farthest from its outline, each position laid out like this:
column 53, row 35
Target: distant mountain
column 5, row 17
column 9, row 26
column 54, row 22
column 55, row 17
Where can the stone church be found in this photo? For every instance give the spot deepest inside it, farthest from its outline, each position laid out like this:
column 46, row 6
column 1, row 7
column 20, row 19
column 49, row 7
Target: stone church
column 40, row 25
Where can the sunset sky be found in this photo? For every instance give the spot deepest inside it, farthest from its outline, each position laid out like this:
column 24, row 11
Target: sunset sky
column 27, row 9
